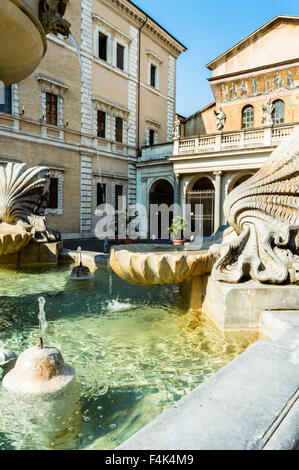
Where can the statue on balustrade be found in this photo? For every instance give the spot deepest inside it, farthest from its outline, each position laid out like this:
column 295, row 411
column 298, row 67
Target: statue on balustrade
column 220, row 119
column 268, row 110
column 176, row 131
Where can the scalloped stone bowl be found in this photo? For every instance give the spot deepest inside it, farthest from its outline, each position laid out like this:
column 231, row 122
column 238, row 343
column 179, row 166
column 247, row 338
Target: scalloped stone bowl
column 22, row 39
column 147, row 265
column 13, row 238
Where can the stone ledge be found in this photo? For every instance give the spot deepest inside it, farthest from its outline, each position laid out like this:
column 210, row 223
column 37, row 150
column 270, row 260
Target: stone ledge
column 237, row 306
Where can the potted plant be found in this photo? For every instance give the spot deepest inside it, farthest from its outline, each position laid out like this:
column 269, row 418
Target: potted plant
column 176, row 229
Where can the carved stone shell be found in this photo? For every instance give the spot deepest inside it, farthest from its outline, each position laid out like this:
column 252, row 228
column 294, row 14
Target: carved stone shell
column 264, row 212
column 21, row 188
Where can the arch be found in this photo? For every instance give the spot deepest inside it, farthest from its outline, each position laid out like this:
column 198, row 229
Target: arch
column 161, row 192
column 196, row 178
column 278, row 112
column 248, row 117
column 238, row 179
column 201, row 192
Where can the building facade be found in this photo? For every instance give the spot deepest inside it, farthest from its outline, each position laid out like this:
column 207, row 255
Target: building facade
column 256, row 89
column 87, row 119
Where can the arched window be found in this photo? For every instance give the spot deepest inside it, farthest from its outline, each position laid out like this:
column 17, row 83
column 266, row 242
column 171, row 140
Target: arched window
column 247, row 117
column 278, row 112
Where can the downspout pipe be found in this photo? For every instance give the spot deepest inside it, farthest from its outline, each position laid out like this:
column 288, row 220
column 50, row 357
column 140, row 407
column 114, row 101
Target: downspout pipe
column 139, row 85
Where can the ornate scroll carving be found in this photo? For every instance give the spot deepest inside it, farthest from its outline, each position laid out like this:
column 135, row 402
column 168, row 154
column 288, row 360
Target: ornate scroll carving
column 264, row 212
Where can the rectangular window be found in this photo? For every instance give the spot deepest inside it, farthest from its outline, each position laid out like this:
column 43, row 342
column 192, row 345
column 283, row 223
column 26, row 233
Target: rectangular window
column 102, row 124
column 7, row 106
column 152, row 135
column 103, row 40
column 118, row 196
column 119, row 129
column 51, row 109
column 120, row 56
column 53, row 198
column 153, row 76
column 101, row 194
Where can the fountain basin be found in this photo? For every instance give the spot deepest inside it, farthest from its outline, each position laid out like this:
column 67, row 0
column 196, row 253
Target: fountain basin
column 13, row 238
column 22, row 39
column 145, row 265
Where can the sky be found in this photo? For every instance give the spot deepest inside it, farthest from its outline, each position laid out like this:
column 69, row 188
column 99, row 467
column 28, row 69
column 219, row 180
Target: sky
column 207, row 29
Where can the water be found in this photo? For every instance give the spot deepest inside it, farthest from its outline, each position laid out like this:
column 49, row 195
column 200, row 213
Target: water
column 78, row 52
column 43, row 325
column 135, row 353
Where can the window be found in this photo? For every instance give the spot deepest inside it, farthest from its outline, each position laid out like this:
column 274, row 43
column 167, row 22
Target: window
column 7, row 105
column 247, row 117
column 120, row 56
column 153, row 76
column 278, row 112
column 118, row 196
column 53, row 197
column 101, row 194
column 119, row 129
column 51, row 109
column 103, row 46
column 102, row 124
column 152, row 137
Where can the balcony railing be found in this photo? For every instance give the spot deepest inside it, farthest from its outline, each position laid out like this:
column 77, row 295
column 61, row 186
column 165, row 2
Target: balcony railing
column 265, row 137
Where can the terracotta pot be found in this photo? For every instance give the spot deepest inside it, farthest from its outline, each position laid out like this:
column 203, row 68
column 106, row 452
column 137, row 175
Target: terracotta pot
column 178, row 242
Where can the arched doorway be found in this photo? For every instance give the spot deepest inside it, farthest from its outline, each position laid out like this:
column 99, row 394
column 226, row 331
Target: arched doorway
column 239, row 180
column 202, row 192
column 161, row 192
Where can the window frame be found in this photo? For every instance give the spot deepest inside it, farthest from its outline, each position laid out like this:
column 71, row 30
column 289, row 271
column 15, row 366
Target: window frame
column 152, row 137
column 153, row 78
column 104, row 123
column 56, row 197
column 119, row 129
column 244, row 123
column 50, row 113
column 274, row 115
column 103, row 35
column 120, row 61
column 7, row 106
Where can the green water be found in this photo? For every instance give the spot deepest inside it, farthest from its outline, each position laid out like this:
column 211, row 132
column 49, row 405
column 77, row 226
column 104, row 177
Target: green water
column 135, row 351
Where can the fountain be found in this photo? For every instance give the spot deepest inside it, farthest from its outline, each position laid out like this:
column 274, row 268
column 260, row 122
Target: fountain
column 39, row 370
column 255, row 264
column 80, row 272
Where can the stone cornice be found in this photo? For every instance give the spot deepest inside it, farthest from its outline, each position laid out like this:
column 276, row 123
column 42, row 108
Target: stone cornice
column 138, row 17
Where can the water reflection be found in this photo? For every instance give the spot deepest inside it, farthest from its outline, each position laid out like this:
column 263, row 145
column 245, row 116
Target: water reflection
column 135, row 353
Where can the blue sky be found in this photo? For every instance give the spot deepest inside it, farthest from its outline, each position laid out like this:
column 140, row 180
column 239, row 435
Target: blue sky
column 209, row 28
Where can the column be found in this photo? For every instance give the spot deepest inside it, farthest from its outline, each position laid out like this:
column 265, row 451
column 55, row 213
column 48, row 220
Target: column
column 217, row 214
column 176, row 191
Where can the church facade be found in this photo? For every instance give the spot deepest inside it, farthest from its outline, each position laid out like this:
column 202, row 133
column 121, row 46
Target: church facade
column 256, row 89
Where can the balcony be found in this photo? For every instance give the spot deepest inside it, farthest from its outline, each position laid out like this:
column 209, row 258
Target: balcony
column 244, row 139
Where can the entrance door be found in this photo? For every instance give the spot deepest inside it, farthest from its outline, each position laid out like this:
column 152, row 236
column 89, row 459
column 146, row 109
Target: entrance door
column 161, row 192
column 203, row 193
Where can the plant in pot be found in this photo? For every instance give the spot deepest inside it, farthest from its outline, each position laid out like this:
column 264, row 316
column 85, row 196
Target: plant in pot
column 177, row 229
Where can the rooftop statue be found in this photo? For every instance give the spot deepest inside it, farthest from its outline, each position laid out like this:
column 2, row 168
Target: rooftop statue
column 264, row 212
column 51, row 14
column 24, row 194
